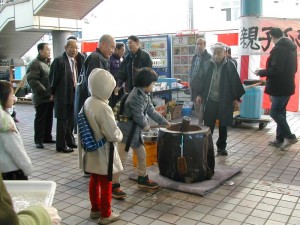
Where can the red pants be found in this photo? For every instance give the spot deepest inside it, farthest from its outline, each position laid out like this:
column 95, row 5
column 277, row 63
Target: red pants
column 100, row 203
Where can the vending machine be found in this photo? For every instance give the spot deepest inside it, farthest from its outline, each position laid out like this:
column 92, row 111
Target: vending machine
column 159, row 47
column 183, row 50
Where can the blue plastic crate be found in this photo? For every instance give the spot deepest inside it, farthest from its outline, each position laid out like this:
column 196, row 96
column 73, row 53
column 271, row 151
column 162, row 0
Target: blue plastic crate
column 251, row 106
column 186, row 111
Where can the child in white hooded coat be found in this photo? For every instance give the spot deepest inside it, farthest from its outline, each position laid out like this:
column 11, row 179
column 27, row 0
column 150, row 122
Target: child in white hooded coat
column 102, row 122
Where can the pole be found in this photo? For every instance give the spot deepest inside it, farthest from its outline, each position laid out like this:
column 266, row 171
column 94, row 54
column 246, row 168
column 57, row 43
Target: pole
column 251, row 8
column 191, row 14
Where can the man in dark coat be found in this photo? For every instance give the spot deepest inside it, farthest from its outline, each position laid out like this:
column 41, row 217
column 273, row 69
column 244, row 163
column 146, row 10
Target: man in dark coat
column 280, row 73
column 198, row 60
column 63, row 79
column 97, row 59
column 134, row 61
column 79, row 58
column 219, row 89
column 228, row 55
column 38, row 79
column 115, row 63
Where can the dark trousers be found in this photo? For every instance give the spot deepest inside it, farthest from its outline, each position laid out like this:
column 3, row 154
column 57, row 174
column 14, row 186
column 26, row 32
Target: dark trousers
column 115, row 98
column 278, row 114
column 14, row 175
column 64, row 129
column 211, row 114
column 43, row 122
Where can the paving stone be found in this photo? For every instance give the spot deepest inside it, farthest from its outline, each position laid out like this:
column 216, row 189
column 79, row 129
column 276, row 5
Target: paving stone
column 266, row 192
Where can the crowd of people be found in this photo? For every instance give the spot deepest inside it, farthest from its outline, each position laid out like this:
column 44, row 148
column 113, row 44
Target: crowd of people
column 74, row 83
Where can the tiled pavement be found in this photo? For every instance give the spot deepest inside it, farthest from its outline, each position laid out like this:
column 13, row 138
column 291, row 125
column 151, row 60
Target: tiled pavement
column 265, row 192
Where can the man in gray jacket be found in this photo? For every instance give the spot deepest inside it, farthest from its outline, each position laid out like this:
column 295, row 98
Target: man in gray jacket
column 197, row 67
column 38, row 79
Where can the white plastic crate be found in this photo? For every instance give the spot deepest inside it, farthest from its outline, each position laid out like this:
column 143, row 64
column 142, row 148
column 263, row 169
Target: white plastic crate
column 27, row 193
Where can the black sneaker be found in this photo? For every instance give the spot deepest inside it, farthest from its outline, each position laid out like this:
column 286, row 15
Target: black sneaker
column 222, row 152
column 39, row 145
column 144, row 182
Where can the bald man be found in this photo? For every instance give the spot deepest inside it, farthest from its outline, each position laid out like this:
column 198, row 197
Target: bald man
column 97, row 59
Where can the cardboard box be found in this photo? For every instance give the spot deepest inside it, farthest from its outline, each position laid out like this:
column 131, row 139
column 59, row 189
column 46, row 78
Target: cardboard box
column 176, row 112
column 161, row 109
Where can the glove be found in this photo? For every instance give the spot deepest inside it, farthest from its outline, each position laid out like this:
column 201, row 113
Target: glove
column 53, row 214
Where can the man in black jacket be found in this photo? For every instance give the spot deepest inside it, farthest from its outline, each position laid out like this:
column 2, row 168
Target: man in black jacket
column 38, row 79
column 219, row 89
column 97, row 59
column 134, row 61
column 280, row 73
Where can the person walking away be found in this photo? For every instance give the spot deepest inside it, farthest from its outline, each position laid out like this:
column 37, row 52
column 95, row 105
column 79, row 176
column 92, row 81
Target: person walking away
column 115, row 62
column 198, row 60
column 14, row 161
column 138, row 107
column 131, row 65
column 38, row 79
column 63, row 80
column 219, row 89
column 102, row 122
column 280, row 72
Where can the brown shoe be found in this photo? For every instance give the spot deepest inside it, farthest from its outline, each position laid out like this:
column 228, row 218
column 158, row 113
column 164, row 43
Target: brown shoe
column 118, row 193
column 145, row 182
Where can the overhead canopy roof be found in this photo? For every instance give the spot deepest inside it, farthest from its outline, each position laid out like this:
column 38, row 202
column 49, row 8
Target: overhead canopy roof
column 14, row 44
column 74, row 9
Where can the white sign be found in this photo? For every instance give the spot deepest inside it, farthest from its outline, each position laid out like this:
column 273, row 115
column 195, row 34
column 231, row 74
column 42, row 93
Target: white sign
column 180, row 40
column 255, row 38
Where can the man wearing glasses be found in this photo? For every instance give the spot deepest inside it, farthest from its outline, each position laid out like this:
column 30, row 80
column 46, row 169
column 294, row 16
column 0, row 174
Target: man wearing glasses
column 134, row 60
column 63, row 80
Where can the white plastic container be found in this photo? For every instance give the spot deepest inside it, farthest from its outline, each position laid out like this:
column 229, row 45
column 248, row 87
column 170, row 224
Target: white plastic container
column 27, row 193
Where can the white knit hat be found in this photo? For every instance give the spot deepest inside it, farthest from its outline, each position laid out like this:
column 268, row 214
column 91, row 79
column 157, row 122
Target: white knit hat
column 218, row 45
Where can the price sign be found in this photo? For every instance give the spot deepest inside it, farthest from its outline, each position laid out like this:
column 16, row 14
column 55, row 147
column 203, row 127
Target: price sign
column 180, row 40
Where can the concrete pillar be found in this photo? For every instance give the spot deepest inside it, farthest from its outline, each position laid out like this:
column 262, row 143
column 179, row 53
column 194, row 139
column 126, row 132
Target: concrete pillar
column 59, row 40
column 251, row 8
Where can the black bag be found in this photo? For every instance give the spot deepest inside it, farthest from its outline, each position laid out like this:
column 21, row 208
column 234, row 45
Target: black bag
column 119, row 109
